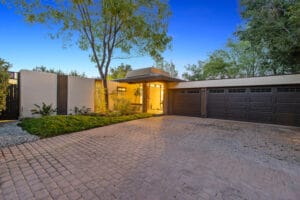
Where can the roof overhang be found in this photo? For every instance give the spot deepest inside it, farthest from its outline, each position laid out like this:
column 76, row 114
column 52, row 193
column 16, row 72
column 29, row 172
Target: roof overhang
column 293, row 79
column 149, row 74
column 148, row 78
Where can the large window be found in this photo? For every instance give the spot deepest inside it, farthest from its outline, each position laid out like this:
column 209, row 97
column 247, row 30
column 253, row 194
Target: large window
column 121, row 91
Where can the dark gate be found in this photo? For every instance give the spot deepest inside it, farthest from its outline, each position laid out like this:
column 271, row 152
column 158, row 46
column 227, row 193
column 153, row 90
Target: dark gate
column 62, row 94
column 12, row 103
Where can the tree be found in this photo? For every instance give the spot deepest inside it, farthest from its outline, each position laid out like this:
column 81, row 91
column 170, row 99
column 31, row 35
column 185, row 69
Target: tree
column 105, row 26
column 167, row 67
column 120, row 71
column 78, row 74
column 4, row 77
column 220, row 66
column 244, row 58
column 272, row 27
column 45, row 69
column 194, row 72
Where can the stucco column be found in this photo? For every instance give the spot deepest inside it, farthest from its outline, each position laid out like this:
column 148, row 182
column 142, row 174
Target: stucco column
column 145, row 97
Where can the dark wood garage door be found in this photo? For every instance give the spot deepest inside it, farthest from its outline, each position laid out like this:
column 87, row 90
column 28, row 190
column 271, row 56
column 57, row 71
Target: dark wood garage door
column 186, row 102
column 280, row 105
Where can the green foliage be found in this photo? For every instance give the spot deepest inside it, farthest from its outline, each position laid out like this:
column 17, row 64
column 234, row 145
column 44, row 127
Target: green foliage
column 104, row 27
column 75, row 73
column 219, row 66
column 123, row 106
column 272, row 27
column 45, row 69
column 167, row 67
column 194, row 72
column 237, row 59
column 120, row 71
column 81, row 111
column 50, row 126
column 268, row 44
column 44, row 110
column 4, row 77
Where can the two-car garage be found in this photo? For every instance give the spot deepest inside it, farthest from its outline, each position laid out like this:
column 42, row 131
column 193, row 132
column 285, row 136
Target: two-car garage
column 249, row 99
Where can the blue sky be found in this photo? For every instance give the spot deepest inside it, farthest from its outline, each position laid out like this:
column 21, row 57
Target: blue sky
column 198, row 27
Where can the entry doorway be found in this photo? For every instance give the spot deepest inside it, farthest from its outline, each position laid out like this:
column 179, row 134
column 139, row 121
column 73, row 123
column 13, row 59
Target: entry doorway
column 155, row 98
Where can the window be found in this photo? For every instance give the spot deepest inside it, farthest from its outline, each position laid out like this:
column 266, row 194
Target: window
column 260, row 90
column 216, row 91
column 193, row 91
column 288, row 89
column 237, row 90
column 121, row 90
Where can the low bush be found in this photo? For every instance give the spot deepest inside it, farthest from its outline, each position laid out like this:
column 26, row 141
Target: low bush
column 44, row 110
column 49, row 126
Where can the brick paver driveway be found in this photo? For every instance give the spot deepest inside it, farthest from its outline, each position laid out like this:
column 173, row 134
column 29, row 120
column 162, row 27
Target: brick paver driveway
column 169, row 157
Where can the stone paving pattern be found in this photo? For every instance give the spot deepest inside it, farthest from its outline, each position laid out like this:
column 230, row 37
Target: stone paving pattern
column 168, row 157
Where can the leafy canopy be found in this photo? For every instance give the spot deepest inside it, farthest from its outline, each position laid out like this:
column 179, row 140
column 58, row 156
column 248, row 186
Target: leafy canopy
column 273, row 27
column 106, row 28
column 4, row 77
column 120, row 71
column 167, row 67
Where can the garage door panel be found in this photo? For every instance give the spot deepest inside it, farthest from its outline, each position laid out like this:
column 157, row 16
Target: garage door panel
column 260, row 98
column 260, row 117
column 288, row 108
column 281, row 98
column 260, row 107
column 237, row 115
column 236, row 105
column 186, row 102
column 288, row 119
column 256, row 104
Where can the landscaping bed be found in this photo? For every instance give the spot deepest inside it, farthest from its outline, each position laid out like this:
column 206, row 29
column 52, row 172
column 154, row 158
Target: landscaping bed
column 50, row 126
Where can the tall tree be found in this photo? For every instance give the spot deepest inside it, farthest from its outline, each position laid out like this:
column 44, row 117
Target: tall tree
column 167, row 67
column 120, row 71
column 244, row 58
column 272, row 26
column 194, row 72
column 105, row 27
column 4, row 77
column 220, row 66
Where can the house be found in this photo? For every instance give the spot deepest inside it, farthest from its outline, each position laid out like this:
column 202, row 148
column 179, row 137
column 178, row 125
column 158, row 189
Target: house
column 272, row 99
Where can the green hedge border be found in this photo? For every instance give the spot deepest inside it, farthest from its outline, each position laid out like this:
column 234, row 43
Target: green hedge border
column 61, row 124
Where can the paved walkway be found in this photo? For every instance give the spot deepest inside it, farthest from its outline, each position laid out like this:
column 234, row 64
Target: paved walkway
column 169, row 157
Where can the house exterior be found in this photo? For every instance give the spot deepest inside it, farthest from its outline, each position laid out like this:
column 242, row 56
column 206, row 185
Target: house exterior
column 272, row 99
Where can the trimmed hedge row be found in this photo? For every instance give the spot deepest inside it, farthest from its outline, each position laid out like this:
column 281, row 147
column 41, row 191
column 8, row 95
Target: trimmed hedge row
column 50, row 126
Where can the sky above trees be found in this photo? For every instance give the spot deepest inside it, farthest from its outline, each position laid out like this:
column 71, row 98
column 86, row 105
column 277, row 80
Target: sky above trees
column 197, row 27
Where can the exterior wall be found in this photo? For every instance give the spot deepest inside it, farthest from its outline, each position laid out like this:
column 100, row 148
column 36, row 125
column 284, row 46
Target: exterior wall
column 130, row 93
column 36, row 88
column 80, row 93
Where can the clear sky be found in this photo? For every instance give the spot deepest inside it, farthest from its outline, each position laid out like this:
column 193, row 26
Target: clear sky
column 198, row 27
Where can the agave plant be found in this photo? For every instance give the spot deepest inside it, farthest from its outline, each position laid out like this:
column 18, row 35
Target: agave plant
column 44, row 110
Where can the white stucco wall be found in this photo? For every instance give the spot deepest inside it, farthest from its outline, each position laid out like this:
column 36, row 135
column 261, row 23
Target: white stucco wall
column 80, row 93
column 36, row 88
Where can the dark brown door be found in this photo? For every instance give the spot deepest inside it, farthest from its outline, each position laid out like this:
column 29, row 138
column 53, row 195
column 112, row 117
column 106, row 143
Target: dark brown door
column 278, row 105
column 62, row 95
column 288, row 105
column 186, row 102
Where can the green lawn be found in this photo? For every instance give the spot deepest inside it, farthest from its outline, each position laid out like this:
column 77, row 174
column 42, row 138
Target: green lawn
column 57, row 125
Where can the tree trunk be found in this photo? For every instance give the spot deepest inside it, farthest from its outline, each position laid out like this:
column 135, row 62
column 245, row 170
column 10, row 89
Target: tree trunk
column 105, row 87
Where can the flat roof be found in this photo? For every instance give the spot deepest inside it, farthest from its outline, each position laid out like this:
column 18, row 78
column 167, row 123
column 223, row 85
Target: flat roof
column 239, row 82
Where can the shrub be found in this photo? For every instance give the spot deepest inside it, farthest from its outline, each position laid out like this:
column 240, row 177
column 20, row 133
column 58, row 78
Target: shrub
column 123, row 106
column 81, row 111
column 49, row 126
column 4, row 77
column 44, row 110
